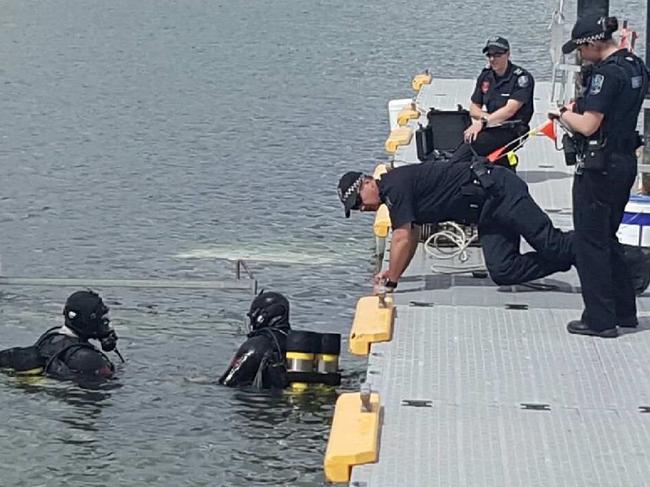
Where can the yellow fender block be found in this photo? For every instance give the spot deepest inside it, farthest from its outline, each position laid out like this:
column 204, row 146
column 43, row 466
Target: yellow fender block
column 382, row 219
column 382, row 222
column 397, row 137
column 354, row 436
column 372, row 323
column 408, row 113
column 379, row 170
column 420, row 80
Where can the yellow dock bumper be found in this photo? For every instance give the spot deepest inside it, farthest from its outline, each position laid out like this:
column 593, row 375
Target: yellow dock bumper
column 372, row 323
column 408, row 113
column 354, row 437
column 420, row 80
column 397, row 137
column 382, row 222
column 379, row 170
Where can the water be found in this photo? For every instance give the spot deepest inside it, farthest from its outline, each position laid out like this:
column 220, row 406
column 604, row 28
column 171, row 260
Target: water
column 161, row 138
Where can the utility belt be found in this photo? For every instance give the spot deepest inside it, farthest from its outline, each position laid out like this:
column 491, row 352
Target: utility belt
column 481, row 171
column 592, row 153
column 474, row 194
column 313, row 358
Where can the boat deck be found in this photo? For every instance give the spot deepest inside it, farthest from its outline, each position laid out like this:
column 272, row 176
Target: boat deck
column 481, row 385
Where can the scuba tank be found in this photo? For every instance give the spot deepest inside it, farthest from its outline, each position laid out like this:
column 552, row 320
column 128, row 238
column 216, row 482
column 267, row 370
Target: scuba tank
column 302, row 347
column 327, row 359
column 312, row 358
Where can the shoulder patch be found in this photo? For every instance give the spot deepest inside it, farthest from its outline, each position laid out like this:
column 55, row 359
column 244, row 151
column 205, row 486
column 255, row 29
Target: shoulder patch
column 485, row 86
column 523, row 81
column 596, row 84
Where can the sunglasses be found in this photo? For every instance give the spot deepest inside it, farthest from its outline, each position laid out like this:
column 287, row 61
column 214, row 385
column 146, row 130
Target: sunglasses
column 495, row 55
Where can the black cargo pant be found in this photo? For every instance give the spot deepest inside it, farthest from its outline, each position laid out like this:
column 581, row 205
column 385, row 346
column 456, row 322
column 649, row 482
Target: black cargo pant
column 487, row 141
column 510, row 213
column 599, row 200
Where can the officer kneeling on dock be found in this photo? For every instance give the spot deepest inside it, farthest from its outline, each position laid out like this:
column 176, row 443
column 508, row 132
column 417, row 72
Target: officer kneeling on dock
column 602, row 148
column 65, row 352
column 465, row 192
column 274, row 356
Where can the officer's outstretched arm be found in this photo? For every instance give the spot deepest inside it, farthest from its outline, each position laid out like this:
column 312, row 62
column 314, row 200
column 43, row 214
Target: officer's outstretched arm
column 402, row 247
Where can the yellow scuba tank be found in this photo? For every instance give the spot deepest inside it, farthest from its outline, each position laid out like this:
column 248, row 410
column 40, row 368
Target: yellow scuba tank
column 312, row 358
column 327, row 359
column 302, row 347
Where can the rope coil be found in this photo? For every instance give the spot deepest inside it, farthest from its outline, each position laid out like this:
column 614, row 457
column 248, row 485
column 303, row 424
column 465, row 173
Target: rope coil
column 449, row 243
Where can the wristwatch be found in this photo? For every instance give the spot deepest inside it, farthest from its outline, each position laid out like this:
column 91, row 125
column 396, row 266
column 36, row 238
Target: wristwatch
column 484, row 121
column 390, row 284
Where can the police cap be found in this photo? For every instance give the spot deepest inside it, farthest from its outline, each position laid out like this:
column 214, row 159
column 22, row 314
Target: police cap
column 496, row 45
column 348, row 190
column 590, row 28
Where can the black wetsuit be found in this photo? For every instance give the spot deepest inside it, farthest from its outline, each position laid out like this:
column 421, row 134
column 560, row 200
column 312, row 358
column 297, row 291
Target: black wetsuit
column 60, row 356
column 259, row 362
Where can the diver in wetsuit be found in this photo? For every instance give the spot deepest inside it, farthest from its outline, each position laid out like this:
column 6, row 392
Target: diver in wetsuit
column 259, row 362
column 64, row 352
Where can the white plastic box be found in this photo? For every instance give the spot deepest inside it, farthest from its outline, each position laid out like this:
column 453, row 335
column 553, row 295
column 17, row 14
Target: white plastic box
column 635, row 227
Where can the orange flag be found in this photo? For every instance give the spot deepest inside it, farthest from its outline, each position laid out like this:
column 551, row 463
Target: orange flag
column 494, row 155
column 548, row 129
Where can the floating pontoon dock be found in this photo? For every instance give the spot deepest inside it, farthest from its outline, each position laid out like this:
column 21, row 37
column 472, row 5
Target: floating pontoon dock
column 473, row 384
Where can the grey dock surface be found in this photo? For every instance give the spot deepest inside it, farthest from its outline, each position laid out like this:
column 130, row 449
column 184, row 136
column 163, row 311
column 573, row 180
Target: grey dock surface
column 482, row 385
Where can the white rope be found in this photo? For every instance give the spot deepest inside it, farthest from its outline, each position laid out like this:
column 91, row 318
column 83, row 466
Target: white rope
column 451, row 243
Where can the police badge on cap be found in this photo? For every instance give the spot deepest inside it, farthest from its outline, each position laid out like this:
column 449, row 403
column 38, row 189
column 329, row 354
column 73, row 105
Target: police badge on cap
column 496, row 45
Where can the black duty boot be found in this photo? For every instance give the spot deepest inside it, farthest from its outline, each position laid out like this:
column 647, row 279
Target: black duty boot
column 629, row 322
column 579, row 328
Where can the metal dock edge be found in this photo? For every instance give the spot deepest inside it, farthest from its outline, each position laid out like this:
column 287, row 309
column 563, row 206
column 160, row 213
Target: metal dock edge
column 481, row 385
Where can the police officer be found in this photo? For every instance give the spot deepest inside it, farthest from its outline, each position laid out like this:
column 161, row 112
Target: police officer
column 467, row 192
column 501, row 106
column 259, row 362
column 65, row 352
column 604, row 123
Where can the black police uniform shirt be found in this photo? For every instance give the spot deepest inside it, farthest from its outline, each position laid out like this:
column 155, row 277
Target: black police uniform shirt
column 494, row 91
column 616, row 89
column 429, row 192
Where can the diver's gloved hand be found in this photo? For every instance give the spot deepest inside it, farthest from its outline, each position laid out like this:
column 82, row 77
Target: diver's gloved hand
column 109, row 342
